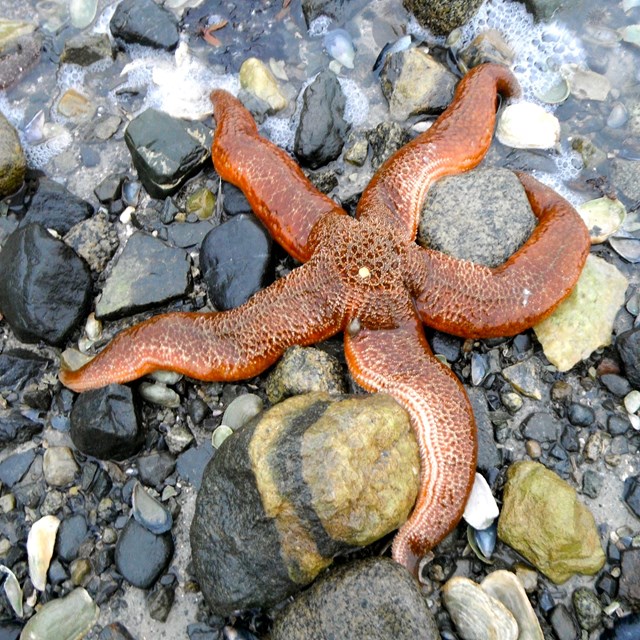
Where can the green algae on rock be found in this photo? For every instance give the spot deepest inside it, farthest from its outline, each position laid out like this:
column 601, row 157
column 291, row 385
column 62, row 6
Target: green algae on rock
column 542, row 520
column 13, row 165
column 312, row 477
column 584, row 321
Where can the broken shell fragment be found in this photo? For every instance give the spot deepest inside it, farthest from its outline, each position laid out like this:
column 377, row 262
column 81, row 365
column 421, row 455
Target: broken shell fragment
column 241, row 410
column 40, row 543
column 339, row 46
column 603, row 217
column 68, row 618
column 481, row 509
column 12, row 590
column 219, row 435
column 526, row 125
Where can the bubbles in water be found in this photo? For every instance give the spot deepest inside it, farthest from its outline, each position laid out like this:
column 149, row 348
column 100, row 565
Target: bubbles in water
column 319, row 26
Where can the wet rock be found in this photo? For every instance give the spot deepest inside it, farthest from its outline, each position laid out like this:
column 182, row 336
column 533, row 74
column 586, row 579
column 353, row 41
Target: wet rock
column 260, row 532
column 580, row 415
column 524, row 377
column 148, row 273
column 19, row 366
column 15, row 466
column 76, row 106
column 336, row 9
column 234, row 201
column 631, row 494
column 626, row 177
column 304, row 370
column 71, row 534
column 110, row 188
column 618, row 385
column 106, row 423
column 442, row 16
column 13, row 165
column 53, row 206
column 45, row 290
column 542, row 427
column 563, row 623
column 322, row 130
column 592, row 482
column 415, row 83
column 584, row 321
column 617, row 425
column 488, row 455
column 160, row 601
column 626, row 628
column 142, row 556
column 584, row 83
column 59, row 466
column 483, row 216
column 191, row 464
column 86, row 48
column 95, row 240
column 166, row 151
column 488, row 46
column 385, row 140
column 256, row 78
column 154, row 468
column 587, row 607
column 20, row 46
column 629, row 585
column 374, row 599
column 542, row 519
column 145, row 22
column 235, row 260
column 543, row 10
column 10, row 630
column 115, row 631
column 628, row 345
column 16, row 428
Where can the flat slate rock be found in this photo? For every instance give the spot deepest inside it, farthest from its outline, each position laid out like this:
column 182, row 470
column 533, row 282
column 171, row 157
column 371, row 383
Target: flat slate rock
column 16, row 428
column 19, row 366
column 235, row 259
column 148, row 273
column 45, row 291
column 166, row 150
column 145, row 22
column 55, row 207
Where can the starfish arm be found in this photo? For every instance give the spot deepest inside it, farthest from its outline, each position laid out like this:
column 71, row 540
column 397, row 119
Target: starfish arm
column 456, row 142
column 474, row 301
column 398, row 361
column 232, row 345
column 278, row 191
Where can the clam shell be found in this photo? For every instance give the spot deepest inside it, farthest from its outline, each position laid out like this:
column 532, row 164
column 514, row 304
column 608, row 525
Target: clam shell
column 12, row 590
column 40, row 543
column 241, row 410
column 526, row 125
column 476, row 614
column 628, row 248
column 219, row 435
column 481, row 509
column 68, row 618
column 505, row 587
column 603, row 217
column 339, row 46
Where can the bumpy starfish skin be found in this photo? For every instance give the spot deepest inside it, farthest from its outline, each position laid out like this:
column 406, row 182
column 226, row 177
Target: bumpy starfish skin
column 367, row 276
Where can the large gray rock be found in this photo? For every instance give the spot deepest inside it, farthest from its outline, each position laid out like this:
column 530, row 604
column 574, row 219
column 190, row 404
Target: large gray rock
column 145, row 22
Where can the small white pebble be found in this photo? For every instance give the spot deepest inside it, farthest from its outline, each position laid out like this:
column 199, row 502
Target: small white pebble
column 632, row 401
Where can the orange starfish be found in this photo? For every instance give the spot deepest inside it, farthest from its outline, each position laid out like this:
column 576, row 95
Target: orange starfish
column 368, row 278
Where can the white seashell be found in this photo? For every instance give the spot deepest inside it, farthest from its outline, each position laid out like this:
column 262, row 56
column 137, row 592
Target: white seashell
column 618, row 116
column 476, row 614
column 603, row 217
column 585, row 84
column 219, row 435
column 68, row 618
column 526, row 125
column 631, row 34
column 554, row 91
column 159, row 394
column 166, row 377
column 632, row 401
column 82, row 12
column 34, row 130
column 505, row 587
column 241, row 410
column 12, row 590
column 40, row 543
column 628, row 248
column 339, row 46
column 93, row 327
column 481, row 509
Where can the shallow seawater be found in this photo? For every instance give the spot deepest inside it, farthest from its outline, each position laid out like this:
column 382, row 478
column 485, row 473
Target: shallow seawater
column 584, row 32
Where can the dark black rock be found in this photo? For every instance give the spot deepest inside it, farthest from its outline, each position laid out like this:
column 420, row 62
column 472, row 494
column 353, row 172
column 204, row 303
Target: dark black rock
column 160, row 601
column 618, row 425
column 606, row 584
column 13, row 468
column 45, row 289
column 144, row 22
column 592, row 482
column 110, row 188
column 71, row 534
column 85, row 49
column 442, row 16
column 580, row 415
column 233, row 200
column 142, row 556
column 165, row 150
column 189, row 234
column 631, row 494
column 115, row 631
column 542, row 427
column 627, row 628
column 628, row 344
column 16, row 428
column 569, row 439
column 446, row 345
column 375, row 599
column 235, row 259
column 155, row 468
column 618, row 385
column 191, row 464
column 629, row 585
column 385, row 140
column 106, row 423
column 488, row 454
column 55, row 207
column 619, row 445
column 148, row 273
column 322, row 131
column 10, row 630
column 18, row 366
column 199, row 631
column 563, row 623
column 95, row 480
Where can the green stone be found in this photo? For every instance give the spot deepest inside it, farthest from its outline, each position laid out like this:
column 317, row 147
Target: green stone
column 13, row 165
column 542, row 520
